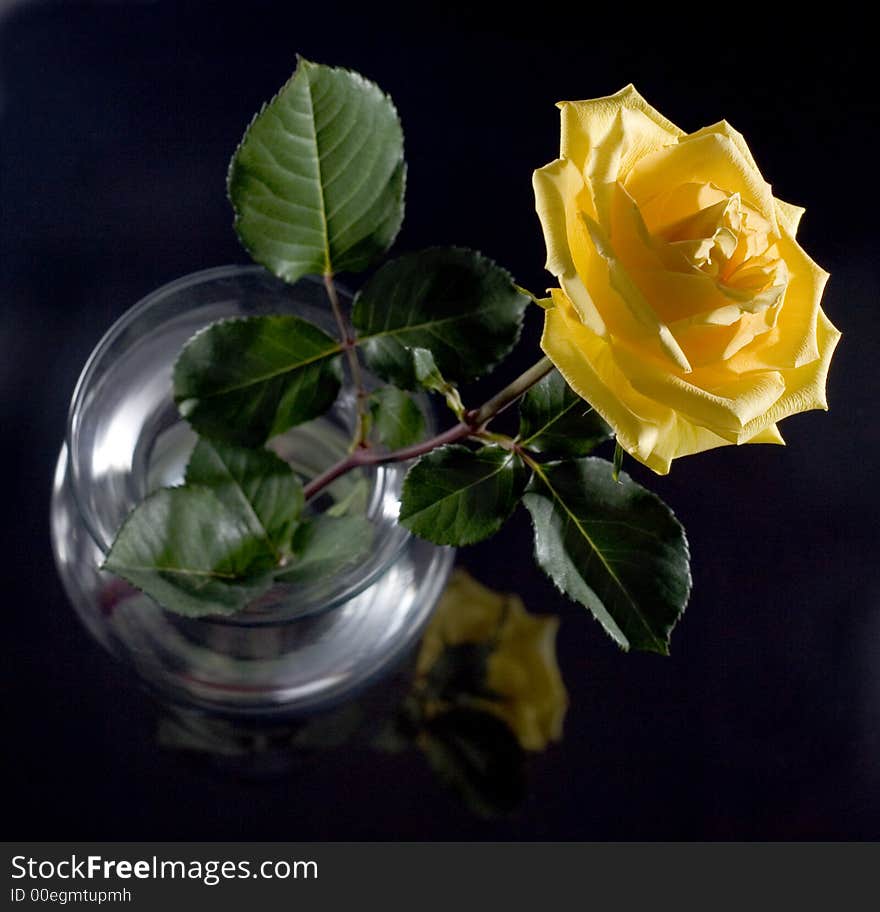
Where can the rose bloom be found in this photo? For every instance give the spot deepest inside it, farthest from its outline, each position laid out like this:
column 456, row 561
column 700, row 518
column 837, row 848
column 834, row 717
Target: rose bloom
column 522, row 670
column 688, row 316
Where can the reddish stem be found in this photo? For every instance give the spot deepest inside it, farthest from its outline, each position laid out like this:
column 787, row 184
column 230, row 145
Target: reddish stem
column 364, row 457
column 474, row 421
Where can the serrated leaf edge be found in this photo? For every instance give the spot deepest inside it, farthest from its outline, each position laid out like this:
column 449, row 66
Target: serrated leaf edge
column 304, row 64
column 622, row 640
column 487, row 367
column 256, row 579
column 460, row 541
column 226, row 321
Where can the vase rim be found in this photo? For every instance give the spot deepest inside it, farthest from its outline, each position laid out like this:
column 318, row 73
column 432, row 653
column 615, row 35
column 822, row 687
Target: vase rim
column 119, row 325
column 87, row 378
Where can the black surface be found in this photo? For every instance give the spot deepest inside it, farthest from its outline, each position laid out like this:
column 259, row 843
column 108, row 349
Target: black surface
column 118, row 120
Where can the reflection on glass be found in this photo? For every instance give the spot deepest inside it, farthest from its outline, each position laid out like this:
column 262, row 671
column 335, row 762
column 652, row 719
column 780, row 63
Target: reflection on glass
column 481, row 690
column 303, row 646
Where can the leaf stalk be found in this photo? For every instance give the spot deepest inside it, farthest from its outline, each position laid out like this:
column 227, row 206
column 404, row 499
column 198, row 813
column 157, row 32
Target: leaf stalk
column 349, row 346
column 472, row 423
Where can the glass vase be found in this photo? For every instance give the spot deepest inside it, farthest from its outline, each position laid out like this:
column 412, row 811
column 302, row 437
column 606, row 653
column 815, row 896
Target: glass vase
column 297, row 649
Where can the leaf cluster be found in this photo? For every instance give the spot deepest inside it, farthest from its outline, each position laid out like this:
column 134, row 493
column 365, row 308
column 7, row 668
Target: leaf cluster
column 317, row 185
column 606, row 542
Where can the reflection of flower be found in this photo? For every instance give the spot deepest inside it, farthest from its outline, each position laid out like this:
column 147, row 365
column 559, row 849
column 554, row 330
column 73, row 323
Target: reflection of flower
column 487, row 688
column 688, row 315
column 523, row 686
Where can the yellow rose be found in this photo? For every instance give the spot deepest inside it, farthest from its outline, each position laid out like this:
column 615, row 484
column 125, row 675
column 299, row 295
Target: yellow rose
column 522, row 669
column 688, row 315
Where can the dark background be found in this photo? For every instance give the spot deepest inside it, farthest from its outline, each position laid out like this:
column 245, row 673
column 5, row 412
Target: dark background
column 117, row 123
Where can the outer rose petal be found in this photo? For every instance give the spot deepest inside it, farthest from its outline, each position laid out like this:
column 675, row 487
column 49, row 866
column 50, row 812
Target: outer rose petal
column 585, row 123
column 788, row 216
column 804, row 386
column 586, row 362
column 630, row 136
column 648, row 430
column 725, row 412
column 558, row 187
column 768, row 435
column 725, row 129
column 580, row 256
column 623, row 296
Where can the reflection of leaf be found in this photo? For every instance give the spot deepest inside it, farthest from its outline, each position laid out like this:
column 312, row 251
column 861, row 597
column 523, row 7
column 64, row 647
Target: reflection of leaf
column 397, row 419
column 254, row 483
column 245, row 380
column 479, row 757
column 317, row 183
column 461, row 671
column 354, row 501
column 191, row 553
column 203, row 734
column 327, row 545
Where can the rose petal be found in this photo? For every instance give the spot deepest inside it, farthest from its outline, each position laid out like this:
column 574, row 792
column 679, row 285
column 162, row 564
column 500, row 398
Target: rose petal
column 792, row 342
column 788, row 216
column 630, row 136
column 709, row 339
column 672, row 204
column 707, row 158
column 586, row 362
column 725, row 129
column 558, row 187
column 687, row 299
column 725, row 410
column 585, row 123
column 627, row 290
column 805, row 385
column 768, row 435
column 650, row 432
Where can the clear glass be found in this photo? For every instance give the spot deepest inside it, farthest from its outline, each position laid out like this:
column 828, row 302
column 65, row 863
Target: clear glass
column 297, row 649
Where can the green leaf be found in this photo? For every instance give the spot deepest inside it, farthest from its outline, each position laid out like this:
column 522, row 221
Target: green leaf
column 555, row 421
column 245, row 380
column 355, row 499
column 317, row 183
column 397, row 419
column 257, row 484
column 191, row 553
column 327, row 545
column 615, row 548
column 454, row 496
column 459, row 305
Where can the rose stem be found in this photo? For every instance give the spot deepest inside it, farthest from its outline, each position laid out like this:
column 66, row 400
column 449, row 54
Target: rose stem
column 347, row 339
column 472, row 422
